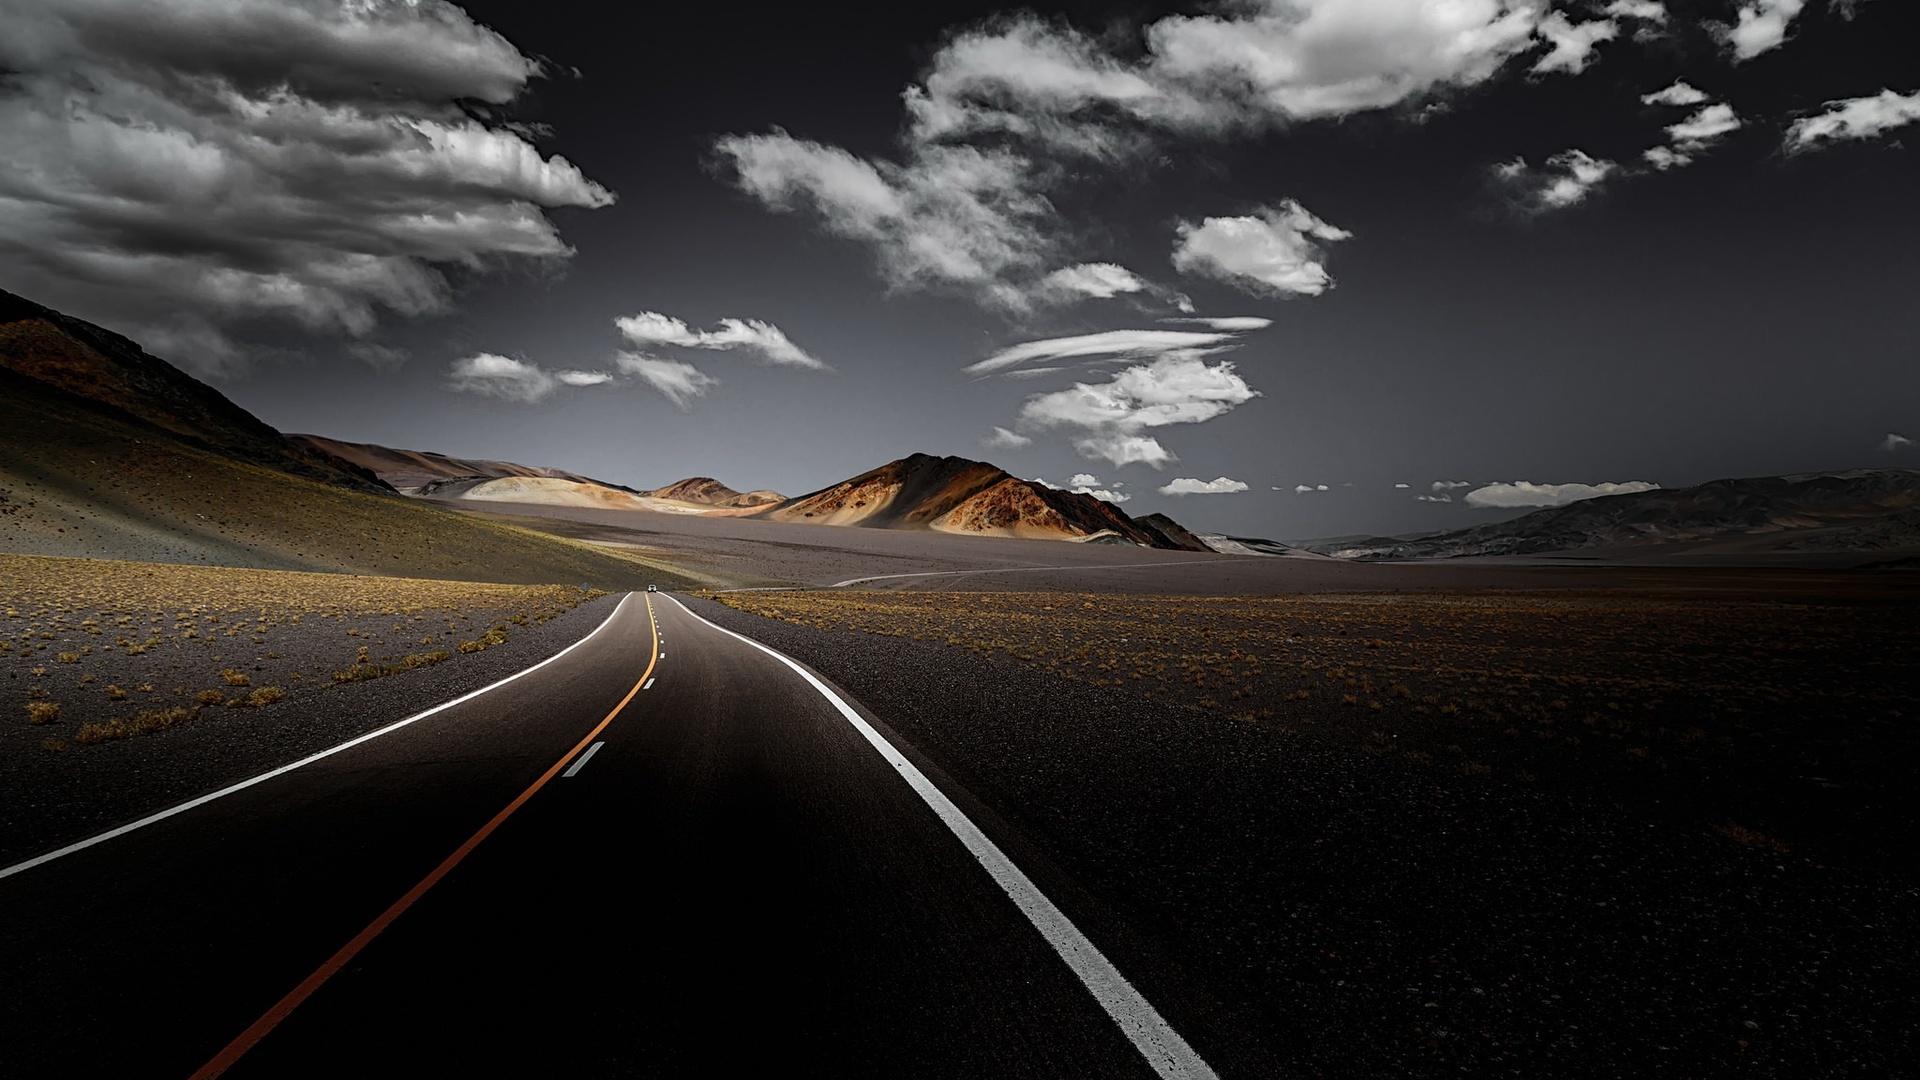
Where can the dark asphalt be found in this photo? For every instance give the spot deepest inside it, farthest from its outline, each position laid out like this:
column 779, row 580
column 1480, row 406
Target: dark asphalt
column 735, row 883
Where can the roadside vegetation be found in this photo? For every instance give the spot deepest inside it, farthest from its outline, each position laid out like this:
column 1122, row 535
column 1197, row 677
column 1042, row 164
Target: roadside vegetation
column 97, row 650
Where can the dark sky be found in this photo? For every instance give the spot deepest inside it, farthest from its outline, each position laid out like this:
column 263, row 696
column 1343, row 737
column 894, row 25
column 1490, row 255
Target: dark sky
column 1470, row 271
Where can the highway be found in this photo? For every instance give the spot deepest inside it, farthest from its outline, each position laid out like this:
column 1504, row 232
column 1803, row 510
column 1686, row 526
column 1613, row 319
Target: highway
column 667, row 851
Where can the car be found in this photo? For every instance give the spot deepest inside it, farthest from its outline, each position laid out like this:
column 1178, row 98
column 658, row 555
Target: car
column 653, row 588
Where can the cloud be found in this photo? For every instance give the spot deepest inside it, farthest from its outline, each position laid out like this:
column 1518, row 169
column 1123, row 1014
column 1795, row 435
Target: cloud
column 1566, row 179
column 1100, row 281
column 1307, row 489
column 1122, row 449
column 1449, row 485
column 175, row 170
column 514, row 380
column 1229, row 323
column 1401, row 487
column 679, row 381
column 378, row 356
column 1089, row 484
column 1433, row 498
column 1679, row 94
column 1109, row 344
column 1170, row 390
column 1693, row 135
column 1762, row 27
column 1572, row 45
column 1184, row 485
column 1002, row 439
column 1521, row 493
column 1273, row 253
column 1895, row 441
column 1083, row 480
column 650, row 329
column 1645, row 10
column 1854, row 118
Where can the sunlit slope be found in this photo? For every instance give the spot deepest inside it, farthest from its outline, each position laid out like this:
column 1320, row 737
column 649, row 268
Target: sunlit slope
column 79, row 478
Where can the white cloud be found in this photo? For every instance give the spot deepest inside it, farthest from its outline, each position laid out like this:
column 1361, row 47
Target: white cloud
column 1644, row 10
column 1433, row 498
column 1401, row 487
column 177, row 169
column 1083, row 480
column 1566, row 178
column 1230, row 323
column 1679, row 94
column 650, row 329
column 1002, row 439
column 1109, row 344
column 1573, row 45
column 1694, row 134
column 1449, row 485
column 1101, row 281
column 1170, row 390
column 1122, row 449
column 1185, row 485
column 1273, row 253
column 514, row 380
column 1895, row 441
column 1762, row 26
column 679, row 381
column 1521, row 493
column 1301, row 489
column 1854, row 118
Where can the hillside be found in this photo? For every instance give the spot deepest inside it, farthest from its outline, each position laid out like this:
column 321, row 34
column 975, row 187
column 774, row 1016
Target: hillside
column 160, row 468
column 1853, row 510
column 956, row 495
column 705, row 490
column 408, row 469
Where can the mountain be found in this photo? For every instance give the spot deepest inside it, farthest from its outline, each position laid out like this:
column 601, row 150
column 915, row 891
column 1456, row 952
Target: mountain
column 705, row 490
column 111, row 453
column 406, row 469
column 1853, row 510
column 103, row 368
column 955, row 495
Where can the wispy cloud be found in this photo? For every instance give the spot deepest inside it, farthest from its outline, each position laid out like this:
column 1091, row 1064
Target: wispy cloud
column 1308, row 489
column 1679, row 95
column 1002, row 439
column 1572, row 44
column 1449, row 485
column 1854, row 118
column 1229, row 323
column 511, row 379
column 1186, row 485
column 1109, row 344
column 1521, row 493
column 1567, row 178
column 650, row 329
column 1112, row 418
column 1433, row 498
column 1276, row 252
column 1101, row 281
column 677, row 380
column 324, row 145
column 1895, row 441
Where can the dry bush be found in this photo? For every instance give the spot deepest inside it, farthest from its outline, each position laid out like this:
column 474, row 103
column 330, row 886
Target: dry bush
column 235, row 678
column 42, row 712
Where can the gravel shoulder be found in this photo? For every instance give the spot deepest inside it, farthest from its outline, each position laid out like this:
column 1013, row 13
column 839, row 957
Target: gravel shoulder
column 1355, row 913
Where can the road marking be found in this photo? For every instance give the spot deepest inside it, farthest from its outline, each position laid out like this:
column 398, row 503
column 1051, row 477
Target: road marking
column 308, row 760
column 271, row 1019
column 1009, row 570
column 581, row 761
column 649, row 685
column 1151, row 1035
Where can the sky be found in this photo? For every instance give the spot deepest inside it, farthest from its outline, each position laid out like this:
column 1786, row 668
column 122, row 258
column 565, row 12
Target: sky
column 1283, row 268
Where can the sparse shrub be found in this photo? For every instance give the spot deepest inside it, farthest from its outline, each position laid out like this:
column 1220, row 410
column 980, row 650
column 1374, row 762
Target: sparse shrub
column 210, row 697
column 69, row 657
column 42, row 712
column 235, row 677
column 265, row 695
column 114, row 693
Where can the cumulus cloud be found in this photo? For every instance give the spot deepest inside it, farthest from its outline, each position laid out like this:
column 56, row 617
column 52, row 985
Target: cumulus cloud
column 176, row 169
column 1113, row 417
column 1271, row 253
column 1679, row 94
column 1567, row 178
column 968, row 202
column 1762, row 26
column 676, row 380
column 1645, row 10
column 1106, row 345
column 650, row 329
column 1572, row 45
column 1520, row 493
column 1100, row 281
column 1694, row 134
column 1089, row 484
column 1002, row 439
column 1854, row 118
column 1449, row 485
column 1219, row 485
column 1895, row 441
column 510, row 379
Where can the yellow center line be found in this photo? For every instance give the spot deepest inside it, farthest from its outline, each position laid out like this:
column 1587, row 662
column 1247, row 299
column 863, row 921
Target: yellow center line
column 271, row 1019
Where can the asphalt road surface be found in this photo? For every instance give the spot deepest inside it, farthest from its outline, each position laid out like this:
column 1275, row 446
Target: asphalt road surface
column 724, row 876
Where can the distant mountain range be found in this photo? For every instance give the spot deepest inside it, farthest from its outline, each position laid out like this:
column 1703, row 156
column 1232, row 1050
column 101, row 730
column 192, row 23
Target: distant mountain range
column 1853, row 510
column 412, row 469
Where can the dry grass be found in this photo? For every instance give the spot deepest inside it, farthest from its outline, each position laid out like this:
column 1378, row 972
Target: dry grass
column 42, row 712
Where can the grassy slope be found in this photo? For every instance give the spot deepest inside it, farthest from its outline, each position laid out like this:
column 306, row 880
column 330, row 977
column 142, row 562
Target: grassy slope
column 78, row 480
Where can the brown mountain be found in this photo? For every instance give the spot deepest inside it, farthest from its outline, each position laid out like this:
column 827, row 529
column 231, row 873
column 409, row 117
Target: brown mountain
column 711, row 492
column 101, row 367
column 952, row 494
column 111, row 453
column 418, row 468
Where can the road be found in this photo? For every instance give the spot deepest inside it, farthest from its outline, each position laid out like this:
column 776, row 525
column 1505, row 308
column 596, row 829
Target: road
column 734, row 872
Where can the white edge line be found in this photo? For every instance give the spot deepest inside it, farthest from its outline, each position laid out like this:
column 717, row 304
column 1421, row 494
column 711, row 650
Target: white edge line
column 1151, row 1035
column 649, row 685
column 308, row 760
column 581, row 761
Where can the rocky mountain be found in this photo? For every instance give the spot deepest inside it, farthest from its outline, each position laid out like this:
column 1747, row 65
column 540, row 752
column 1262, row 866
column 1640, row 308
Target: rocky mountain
column 707, row 491
column 956, row 495
column 413, row 469
column 1853, row 510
